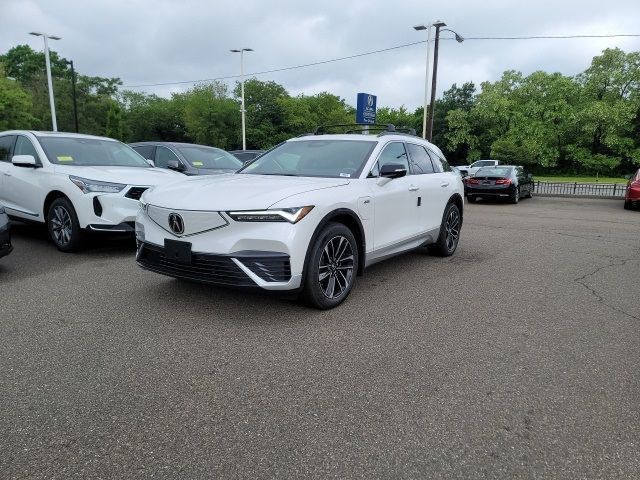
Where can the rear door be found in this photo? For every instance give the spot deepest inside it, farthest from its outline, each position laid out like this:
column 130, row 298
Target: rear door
column 447, row 180
column 431, row 195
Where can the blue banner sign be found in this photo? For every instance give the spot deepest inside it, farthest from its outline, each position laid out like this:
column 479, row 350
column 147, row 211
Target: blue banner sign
column 366, row 109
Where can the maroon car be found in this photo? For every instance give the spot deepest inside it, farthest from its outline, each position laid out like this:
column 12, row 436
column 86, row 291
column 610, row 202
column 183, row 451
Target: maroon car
column 632, row 197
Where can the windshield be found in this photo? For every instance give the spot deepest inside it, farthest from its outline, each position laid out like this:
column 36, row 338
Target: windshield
column 90, row 152
column 493, row 172
column 314, row 158
column 210, row 157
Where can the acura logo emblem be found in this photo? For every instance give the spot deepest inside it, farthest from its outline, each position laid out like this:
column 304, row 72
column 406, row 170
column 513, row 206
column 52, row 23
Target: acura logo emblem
column 176, row 223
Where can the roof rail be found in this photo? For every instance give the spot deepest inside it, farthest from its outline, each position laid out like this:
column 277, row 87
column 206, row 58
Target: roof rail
column 357, row 128
column 378, row 128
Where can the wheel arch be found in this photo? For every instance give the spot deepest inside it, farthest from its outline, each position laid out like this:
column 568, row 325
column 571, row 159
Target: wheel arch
column 351, row 220
column 51, row 196
column 456, row 199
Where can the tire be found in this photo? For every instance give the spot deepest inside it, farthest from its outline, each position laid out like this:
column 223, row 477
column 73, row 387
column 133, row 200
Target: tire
column 64, row 228
column 471, row 199
column 515, row 196
column 530, row 192
column 627, row 204
column 332, row 269
column 449, row 236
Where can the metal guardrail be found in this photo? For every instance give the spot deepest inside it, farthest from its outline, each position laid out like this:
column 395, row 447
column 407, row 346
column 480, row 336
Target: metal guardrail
column 615, row 190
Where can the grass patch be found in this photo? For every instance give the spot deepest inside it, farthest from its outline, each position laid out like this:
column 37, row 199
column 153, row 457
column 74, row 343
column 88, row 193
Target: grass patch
column 547, row 178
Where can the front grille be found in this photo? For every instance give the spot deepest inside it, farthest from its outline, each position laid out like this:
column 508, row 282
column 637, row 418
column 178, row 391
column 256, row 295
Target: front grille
column 216, row 269
column 136, row 192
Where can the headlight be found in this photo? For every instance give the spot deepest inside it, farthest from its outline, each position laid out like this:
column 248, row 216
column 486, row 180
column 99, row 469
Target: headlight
column 90, row 186
column 291, row 215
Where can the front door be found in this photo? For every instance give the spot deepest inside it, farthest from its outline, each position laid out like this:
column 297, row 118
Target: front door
column 394, row 200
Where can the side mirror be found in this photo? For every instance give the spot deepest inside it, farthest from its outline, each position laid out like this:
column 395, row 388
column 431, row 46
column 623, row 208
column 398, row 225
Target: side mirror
column 150, row 162
column 391, row 170
column 174, row 165
column 28, row 161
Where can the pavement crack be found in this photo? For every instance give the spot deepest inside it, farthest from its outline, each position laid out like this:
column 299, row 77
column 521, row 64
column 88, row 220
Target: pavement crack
column 612, row 263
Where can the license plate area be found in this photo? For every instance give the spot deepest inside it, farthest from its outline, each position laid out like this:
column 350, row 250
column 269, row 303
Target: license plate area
column 177, row 251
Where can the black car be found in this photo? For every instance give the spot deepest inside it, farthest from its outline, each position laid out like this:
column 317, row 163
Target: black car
column 188, row 158
column 246, row 155
column 5, row 233
column 505, row 181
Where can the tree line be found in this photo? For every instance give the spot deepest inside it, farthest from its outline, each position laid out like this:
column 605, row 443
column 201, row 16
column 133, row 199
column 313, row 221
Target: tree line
column 588, row 123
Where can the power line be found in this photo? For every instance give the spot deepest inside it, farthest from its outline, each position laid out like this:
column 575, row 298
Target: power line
column 373, row 52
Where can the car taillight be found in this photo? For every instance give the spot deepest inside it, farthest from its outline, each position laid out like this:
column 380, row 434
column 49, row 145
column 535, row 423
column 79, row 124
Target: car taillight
column 503, row 181
column 473, row 181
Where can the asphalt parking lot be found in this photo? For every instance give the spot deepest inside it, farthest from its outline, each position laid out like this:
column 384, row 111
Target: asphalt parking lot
column 518, row 357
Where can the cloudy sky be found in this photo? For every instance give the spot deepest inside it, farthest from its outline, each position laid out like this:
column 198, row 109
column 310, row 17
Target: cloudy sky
column 159, row 41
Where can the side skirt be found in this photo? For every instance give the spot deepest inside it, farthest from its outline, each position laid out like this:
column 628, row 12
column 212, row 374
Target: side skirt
column 402, row 247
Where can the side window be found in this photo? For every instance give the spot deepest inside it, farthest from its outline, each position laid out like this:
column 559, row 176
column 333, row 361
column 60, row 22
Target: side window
column 6, row 143
column 25, row 147
column 419, row 159
column 145, row 150
column 394, row 154
column 164, row 156
column 438, row 167
column 445, row 165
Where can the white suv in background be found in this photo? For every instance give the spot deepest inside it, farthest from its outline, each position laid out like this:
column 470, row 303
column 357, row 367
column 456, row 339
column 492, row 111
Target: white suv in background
column 471, row 170
column 308, row 215
column 73, row 183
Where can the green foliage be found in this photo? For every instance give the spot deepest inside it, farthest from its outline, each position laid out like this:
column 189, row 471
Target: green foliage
column 587, row 124
column 15, row 105
column 115, row 124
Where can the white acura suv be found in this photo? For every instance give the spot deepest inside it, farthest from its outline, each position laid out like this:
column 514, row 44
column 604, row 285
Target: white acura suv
column 74, row 183
column 307, row 216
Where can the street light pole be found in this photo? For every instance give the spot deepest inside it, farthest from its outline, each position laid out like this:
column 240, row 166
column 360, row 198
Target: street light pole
column 436, row 44
column 49, row 80
column 73, row 90
column 426, row 77
column 242, row 109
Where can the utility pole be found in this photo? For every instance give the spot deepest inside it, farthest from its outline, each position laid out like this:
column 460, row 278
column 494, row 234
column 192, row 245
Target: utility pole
column 73, row 90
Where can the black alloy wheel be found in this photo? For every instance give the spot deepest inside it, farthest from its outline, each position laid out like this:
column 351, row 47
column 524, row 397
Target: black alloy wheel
column 449, row 237
column 332, row 268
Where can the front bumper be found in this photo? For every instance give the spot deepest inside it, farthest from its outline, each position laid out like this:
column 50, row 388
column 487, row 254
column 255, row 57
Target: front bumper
column 239, row 246
column 109, row 212
column 5, row 236
column 248, row 269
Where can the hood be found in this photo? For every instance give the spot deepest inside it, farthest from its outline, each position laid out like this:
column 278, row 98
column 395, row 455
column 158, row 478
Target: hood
column 235, row 191
column 128, row 175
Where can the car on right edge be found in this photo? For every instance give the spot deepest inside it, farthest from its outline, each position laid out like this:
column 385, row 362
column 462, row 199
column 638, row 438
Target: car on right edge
column 505, row 181
column 632, row 195
column 305, row 217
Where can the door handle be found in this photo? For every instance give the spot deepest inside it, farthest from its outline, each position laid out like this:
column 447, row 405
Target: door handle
column 444, row 184
column 413, row 188
column 6, row 174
